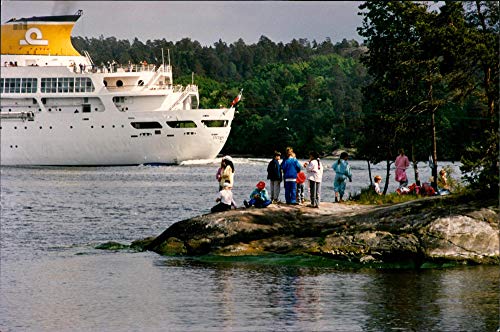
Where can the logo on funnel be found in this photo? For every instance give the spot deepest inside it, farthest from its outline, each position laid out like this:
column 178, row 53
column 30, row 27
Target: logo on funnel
column 36, row 41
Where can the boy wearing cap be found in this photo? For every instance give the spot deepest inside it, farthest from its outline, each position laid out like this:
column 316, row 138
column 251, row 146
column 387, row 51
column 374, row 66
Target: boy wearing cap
column 259, row 196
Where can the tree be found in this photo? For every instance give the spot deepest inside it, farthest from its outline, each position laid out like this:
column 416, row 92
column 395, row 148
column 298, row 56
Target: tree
column 481, row 163
column 427, row 63
column 397, row 86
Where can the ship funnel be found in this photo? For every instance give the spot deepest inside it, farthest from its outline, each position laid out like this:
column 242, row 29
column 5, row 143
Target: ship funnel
column 44, row 35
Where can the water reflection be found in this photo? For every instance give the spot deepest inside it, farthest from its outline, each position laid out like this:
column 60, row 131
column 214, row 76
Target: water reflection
column 437, row 300
column 273, row 298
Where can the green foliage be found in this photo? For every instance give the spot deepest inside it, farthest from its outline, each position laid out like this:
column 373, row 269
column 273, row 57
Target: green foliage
column 481, row 166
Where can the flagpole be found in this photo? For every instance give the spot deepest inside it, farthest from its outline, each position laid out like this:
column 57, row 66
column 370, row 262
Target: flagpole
column 162, row 60
column 235, row 101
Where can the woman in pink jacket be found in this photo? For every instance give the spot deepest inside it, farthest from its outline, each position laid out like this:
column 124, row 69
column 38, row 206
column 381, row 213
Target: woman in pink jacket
column 402, row 163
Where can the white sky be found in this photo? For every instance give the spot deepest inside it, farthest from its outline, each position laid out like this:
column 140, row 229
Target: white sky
column 204, row 21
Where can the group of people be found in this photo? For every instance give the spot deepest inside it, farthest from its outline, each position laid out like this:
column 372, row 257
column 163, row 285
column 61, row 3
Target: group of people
column 291, row 173
column 402, row 163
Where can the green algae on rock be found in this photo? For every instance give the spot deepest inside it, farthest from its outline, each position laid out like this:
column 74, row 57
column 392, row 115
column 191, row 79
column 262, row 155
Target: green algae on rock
column 111, row 245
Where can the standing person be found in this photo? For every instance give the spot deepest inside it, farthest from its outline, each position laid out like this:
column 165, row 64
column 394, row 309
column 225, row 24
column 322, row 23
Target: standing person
column 227, row 174
column 402, row 163
column 225, row 199
column 342, row 173
column 315, row 176
column 290, row 167
column 259, row 196
column 301, row 179
column 274, row 176
column 377, row 179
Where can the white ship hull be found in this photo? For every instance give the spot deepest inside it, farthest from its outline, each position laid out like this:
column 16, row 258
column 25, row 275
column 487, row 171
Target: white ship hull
column 105, row 140
column 59, row 108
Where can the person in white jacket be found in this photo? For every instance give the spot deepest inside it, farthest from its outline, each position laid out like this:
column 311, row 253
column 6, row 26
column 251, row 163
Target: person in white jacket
column 314, row 170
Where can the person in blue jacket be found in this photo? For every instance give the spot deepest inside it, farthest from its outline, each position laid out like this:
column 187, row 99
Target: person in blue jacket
column 290, row 167
column 259, row 196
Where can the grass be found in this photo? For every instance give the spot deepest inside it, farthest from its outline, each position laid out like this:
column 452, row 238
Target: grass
column 368, row 196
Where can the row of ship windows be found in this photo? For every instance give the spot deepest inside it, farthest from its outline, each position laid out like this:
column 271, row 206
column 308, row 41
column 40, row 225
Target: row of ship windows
column 47, row 85
column 157, row 125
column 70, row 127
column 85, row 109
column 157, row 132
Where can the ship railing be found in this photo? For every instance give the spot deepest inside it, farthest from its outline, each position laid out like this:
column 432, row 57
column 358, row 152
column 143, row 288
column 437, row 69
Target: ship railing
column 118, row 68
column 30, row 116
column 185, row 91
column 188, row 88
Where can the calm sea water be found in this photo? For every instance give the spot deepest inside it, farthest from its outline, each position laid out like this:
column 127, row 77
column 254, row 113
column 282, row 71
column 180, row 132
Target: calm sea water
column 52, row 278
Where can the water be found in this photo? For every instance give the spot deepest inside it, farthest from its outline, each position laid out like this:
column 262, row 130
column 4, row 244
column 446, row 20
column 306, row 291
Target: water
column 52, row 278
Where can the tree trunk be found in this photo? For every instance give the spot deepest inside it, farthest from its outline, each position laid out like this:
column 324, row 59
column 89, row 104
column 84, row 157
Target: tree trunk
column 486, row 68
column 434, row 150
column 387, row 175
column 415, row 166
column 434, row 143
column 370, row 173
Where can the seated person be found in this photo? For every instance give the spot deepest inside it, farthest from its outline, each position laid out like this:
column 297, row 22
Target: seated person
column 259, row 196
column 442, row 182
column 426, row 189
column 377, row 179
column 225, row 199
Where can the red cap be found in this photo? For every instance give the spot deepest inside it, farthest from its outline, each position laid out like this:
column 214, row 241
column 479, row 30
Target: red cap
column 261, row 185
column 301, row 177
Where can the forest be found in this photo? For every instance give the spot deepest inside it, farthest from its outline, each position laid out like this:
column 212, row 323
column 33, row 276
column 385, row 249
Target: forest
column 425, row 80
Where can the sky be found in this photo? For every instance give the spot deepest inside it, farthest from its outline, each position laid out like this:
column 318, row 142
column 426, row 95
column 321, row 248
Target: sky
column 204, row 21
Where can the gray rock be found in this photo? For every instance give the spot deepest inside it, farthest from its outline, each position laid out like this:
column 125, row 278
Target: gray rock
column 432, row 230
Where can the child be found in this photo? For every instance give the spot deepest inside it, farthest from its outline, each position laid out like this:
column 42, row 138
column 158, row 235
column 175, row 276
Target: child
column 377, row 179
column 225, row 199
column 442, row 182
column 315, row 176
column 301, row 179
column 259, row 197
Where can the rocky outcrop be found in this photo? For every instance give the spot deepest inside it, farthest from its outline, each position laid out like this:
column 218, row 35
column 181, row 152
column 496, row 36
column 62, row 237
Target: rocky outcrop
column 432, row 230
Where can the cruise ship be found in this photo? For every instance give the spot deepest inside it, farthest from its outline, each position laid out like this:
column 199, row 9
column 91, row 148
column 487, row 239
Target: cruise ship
column 59, row 108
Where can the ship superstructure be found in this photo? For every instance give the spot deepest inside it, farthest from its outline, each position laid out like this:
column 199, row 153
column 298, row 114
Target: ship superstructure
column 57, row 107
